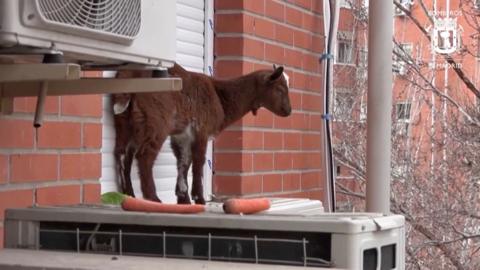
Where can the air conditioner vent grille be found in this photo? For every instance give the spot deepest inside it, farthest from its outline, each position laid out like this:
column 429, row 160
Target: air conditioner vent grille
column 118, row 17
column 248, row 246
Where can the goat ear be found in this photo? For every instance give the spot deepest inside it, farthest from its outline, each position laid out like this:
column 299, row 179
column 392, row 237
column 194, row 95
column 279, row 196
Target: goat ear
column 277, row 73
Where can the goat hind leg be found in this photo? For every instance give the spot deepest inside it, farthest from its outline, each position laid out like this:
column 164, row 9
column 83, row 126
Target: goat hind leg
column 199, row 148
column 146, row 158
column 127, row 163
column 184, row 160
column 120, row 170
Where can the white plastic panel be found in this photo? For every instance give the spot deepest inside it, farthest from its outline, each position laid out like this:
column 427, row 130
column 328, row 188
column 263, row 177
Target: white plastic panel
column 191, row 54
column 153, row 44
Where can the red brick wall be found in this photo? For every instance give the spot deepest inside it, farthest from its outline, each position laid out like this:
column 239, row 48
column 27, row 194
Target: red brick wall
column 63, row 166
column 266, row 154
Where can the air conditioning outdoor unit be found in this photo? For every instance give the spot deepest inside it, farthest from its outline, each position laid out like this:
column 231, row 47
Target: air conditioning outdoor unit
column 92, row 31
column 293, row 233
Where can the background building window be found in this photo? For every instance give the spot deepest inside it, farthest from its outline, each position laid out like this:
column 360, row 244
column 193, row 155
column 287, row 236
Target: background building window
column 406, row 4
column 345, row 4
column 402, row 57
column 363, row 111
column 344, row 52
column 403, row 111
column 342, row 105
column 363, row 57
column 344, row 48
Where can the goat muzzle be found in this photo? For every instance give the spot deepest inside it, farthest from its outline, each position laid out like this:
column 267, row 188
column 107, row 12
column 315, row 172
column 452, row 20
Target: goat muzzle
column 286, row 112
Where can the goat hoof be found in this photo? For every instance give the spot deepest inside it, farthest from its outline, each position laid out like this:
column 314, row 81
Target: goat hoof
column 183, row 200
column 200, row 201
column 153, row 198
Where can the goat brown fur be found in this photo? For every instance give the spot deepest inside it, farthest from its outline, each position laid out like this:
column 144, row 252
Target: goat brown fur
column 203, row 108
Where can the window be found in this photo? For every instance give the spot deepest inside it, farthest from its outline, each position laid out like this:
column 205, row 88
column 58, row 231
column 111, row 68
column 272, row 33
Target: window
column 363, row 57
column 404, row 52
column 363, row 111
column 345, row 4
column 362, row 61
column 370, row 257
column 365, row 4
column 361, row 74
column 399, row 171
column 362, row 12
column 342, row 105
column 476, row 4
column 344, row 54
column 388, row 260
column 401, row 128
column 407, row 4
column 403, row 55
column 403, row 111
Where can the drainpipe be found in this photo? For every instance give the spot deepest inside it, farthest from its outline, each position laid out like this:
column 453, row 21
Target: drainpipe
column 379, row 122
column 331, row 12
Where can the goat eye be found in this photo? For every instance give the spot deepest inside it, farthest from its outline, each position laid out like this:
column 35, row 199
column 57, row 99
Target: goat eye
column 282, row 90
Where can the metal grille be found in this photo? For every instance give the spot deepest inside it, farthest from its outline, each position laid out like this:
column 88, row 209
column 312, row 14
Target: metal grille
column 259, row 247
column 119, row 17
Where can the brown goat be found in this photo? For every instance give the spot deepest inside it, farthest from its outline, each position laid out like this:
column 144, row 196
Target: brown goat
column 203, row 108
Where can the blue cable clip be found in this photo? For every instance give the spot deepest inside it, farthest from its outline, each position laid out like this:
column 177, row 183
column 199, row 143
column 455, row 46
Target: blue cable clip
column 327, row 116
column 326, row 56
column 210, row 22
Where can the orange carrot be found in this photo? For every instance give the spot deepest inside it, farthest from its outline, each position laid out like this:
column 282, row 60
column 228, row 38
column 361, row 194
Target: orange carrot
column 142, row 205
column 246, row 206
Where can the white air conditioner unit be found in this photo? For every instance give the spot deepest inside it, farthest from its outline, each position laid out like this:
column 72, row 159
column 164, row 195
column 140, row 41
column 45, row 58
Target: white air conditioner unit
column 293, row 233
column 98, row 31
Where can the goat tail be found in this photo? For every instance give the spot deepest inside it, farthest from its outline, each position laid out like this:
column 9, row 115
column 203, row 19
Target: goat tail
column 177, row 70
column 120, row 103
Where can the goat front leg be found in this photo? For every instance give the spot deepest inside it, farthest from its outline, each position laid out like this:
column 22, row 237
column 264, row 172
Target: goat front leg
column 146, row 158
column 199, row 148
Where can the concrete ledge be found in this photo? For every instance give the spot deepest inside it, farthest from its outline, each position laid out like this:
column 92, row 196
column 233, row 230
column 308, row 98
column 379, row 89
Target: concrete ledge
column 19, row 259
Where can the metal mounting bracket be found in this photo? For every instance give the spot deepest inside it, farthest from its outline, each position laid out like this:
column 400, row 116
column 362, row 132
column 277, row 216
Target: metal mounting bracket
column 26, row 80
